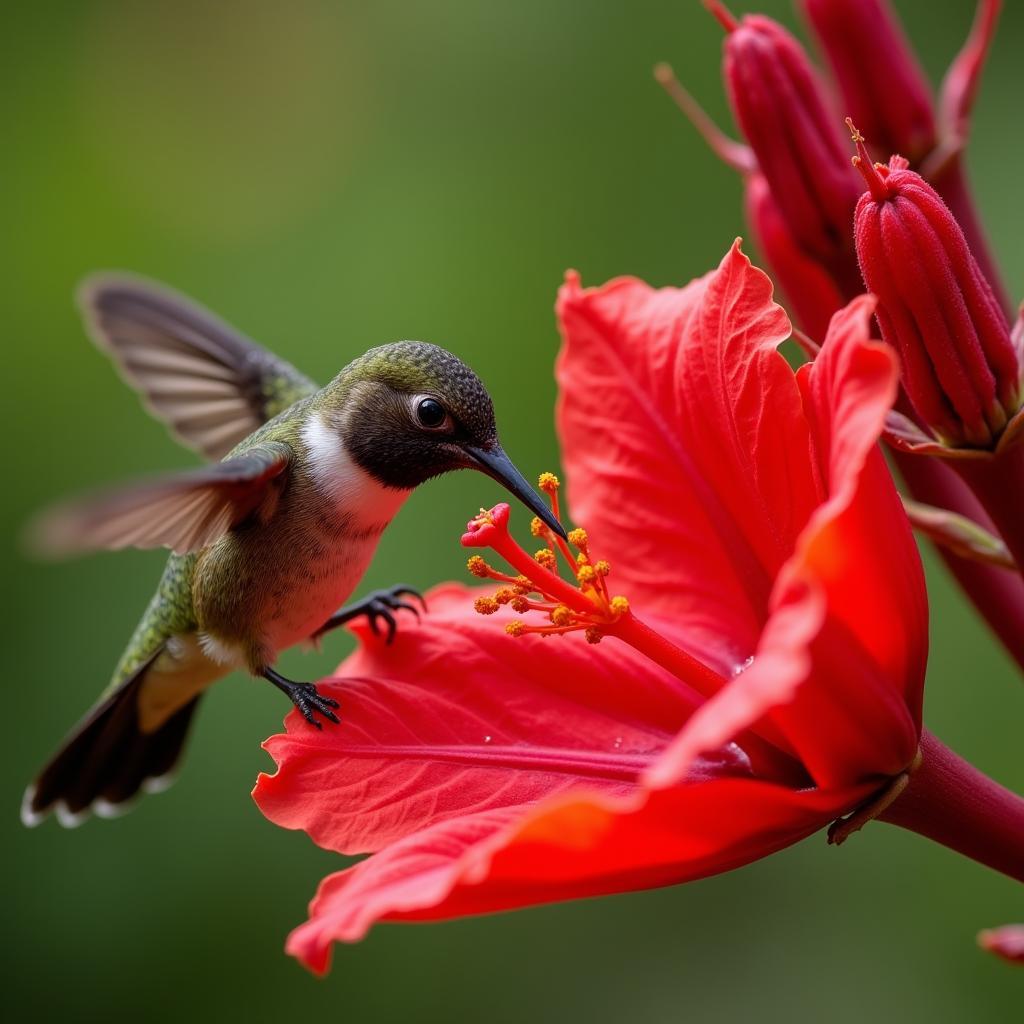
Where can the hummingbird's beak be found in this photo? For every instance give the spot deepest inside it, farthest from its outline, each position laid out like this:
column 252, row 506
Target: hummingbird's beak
column 497, row 465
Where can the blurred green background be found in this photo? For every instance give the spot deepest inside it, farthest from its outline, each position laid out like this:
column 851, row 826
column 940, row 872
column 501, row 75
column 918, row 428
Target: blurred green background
column 331, row 176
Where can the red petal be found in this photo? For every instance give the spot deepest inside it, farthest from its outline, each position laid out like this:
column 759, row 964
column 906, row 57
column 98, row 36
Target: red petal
column 573, row 847
column 852, row 717
column 849, row 616
column 456, row 717
column 685, row 444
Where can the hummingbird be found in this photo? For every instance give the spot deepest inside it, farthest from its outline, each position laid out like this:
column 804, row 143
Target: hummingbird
column 268, row 540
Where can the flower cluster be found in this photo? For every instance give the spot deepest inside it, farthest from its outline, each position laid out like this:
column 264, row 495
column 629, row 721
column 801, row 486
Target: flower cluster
column 728, row 654
column 905, row 230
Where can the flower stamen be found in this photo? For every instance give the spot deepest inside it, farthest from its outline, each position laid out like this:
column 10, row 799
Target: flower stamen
column 587, row 607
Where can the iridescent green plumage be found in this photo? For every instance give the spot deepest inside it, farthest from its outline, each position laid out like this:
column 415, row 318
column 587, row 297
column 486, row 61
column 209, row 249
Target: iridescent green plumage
column 269, row 540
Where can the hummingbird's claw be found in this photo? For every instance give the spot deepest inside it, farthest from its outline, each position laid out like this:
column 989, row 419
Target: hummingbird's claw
column 309, row 702
column 377, row 607
column 306, row 698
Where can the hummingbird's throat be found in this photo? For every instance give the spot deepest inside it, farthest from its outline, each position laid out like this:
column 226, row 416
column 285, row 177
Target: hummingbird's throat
column 585, row 605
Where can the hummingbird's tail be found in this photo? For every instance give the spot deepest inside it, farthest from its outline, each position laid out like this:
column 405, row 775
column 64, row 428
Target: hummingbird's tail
column 107, row 760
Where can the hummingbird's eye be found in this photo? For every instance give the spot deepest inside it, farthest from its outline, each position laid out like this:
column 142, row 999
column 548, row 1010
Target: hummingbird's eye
column 431, row 413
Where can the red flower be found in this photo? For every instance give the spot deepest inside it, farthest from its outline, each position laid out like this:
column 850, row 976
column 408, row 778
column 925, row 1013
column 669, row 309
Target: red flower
column 775, row 635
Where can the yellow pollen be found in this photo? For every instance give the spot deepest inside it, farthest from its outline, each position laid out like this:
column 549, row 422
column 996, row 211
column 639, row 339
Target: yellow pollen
column 484, row 516
column 561, row 616
column 477, row 566
column 548, row 482
column 593, row 635
column 515, row 628
column 603, row 568
column 619, row 605
column 504, row 595
column 485, row 605
column 586, row 575
column 521, row 605
column 523, row 589
column 537, row 528
column 581, row 558
column 546, row 557
column 578, row 538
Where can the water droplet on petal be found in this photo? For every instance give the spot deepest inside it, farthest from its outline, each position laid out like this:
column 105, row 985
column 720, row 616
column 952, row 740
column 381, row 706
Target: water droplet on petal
column 740, row 669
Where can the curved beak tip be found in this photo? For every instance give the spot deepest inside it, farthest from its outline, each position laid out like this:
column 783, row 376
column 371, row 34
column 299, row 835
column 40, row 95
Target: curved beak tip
column 498, row 466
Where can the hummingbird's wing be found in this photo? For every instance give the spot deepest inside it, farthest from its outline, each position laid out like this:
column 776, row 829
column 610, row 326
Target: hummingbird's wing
column 183, row 511
column 211, row 385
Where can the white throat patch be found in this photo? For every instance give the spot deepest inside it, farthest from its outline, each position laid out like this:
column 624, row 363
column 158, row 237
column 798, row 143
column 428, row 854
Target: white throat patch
column 341, row 478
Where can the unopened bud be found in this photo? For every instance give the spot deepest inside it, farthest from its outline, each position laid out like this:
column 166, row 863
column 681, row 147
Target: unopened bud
column 893, row 108
column 811, row 292
column 777, row 97
column 960, row 369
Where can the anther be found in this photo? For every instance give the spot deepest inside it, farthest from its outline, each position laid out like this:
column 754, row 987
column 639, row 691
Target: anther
column 585, row 575
column 520, row 604
column 593, row 635
column 505, row 595
column 548, row 483
column 486, row 605
column 603, row 567
column 477, row 566
column 515, row 628
column 578, row 538
column 619, row 605
column 546, row 558
column 537, row 527
column 561, row 616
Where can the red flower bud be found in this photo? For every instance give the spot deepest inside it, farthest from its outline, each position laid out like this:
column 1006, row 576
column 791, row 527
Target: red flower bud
column 960, row 369
column 894, row 107
column 811, row 292
column 1006, row 942
column 777, row 98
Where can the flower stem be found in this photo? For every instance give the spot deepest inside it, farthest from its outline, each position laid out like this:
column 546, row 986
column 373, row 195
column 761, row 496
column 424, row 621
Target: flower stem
column 998, row 483
column 998, row 594
column 952, row 803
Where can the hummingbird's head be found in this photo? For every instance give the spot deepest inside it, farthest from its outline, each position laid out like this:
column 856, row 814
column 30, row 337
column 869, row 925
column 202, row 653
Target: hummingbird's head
column 413, row 410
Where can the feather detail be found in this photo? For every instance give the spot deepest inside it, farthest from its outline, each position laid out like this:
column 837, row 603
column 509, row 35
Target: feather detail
column 182, row 511
column 211, row 385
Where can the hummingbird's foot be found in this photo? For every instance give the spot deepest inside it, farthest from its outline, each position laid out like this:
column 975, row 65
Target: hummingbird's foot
column 378, row 607
column 305, row 697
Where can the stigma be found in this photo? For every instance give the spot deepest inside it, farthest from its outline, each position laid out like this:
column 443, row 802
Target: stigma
column 549, row 603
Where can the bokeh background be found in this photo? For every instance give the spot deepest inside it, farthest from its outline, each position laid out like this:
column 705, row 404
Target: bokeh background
column 330, row 176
